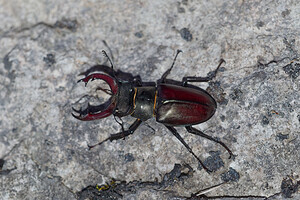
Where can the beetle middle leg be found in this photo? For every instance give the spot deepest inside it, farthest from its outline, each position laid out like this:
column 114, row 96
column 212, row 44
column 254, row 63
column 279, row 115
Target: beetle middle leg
column 209, row 77
column 195, row 131
column 176, row 134
column 164, row 76
column 120, row 135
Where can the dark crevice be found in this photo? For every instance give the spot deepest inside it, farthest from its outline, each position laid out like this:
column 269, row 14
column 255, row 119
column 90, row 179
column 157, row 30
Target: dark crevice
column 263, row 65
column 6, row 171
column 117, row 189
column 64, row 23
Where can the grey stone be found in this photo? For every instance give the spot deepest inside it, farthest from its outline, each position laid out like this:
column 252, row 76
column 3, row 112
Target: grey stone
column 45, row 45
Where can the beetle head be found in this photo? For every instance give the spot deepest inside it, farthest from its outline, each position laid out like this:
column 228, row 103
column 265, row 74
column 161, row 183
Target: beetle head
column 102, row 110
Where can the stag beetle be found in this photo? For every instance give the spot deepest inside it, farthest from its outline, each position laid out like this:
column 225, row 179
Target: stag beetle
column 170, row 104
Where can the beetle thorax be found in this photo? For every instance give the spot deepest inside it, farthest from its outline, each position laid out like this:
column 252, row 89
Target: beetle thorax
column 143, row 102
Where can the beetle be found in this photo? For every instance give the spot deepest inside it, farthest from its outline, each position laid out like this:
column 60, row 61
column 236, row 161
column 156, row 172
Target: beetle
column 172, row 105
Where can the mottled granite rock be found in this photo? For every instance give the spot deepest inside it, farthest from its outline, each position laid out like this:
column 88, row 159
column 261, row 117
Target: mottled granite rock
column 44, row 45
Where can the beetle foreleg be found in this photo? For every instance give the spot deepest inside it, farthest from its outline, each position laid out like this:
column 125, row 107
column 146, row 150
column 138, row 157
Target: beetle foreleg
column 176, row 134
column 121, row 123
column 120, row 135
column 200, row 133
column 209, row 77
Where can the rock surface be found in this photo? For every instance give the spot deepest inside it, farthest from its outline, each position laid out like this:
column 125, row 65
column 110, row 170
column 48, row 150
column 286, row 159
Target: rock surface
column 44, row 45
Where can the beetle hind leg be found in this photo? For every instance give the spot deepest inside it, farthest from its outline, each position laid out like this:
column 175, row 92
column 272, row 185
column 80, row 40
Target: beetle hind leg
column 176, row 134
column 200, row 133
column 120, row 135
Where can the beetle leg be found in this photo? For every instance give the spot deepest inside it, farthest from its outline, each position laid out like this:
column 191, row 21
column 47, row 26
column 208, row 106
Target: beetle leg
column 120, row 135
column 164, row 76
column 200, row 133
column 121, row 123
column 176, row 134
column 209, row 77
